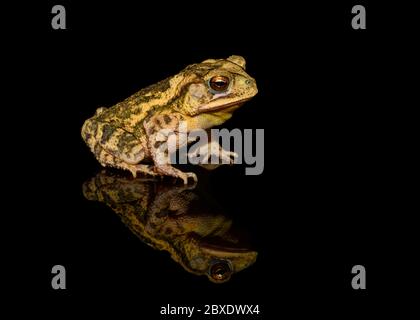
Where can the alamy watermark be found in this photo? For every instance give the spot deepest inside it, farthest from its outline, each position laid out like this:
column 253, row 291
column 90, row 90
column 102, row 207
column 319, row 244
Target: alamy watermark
column 213, row 147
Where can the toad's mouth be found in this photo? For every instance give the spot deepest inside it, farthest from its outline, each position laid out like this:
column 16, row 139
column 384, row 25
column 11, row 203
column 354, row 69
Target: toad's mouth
column 220, row 246
column 209, row 108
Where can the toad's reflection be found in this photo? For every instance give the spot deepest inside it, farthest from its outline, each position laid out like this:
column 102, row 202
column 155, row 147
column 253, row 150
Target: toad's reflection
column 174, row 218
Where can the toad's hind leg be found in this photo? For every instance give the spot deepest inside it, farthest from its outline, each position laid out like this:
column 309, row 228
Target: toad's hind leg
column 107, row 159
column 115, row 147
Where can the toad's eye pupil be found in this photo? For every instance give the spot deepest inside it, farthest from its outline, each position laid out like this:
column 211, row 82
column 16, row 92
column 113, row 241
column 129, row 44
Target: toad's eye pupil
column 219, row 83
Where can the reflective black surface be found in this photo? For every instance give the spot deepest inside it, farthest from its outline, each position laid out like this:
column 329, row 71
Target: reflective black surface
column 173, row 218
column 328, row 196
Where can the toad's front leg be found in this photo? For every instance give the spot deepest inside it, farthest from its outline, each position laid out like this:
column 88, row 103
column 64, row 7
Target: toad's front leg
column 213, row 153
column 158, row 130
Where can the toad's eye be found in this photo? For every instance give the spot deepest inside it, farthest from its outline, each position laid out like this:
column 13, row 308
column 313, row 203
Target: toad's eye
column 220, row 271
column 219, row 83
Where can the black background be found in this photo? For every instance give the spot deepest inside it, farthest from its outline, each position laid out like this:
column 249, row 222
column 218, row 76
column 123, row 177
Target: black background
column 326, row 198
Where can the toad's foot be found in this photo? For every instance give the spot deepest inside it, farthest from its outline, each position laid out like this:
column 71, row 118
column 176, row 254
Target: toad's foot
column 228, row 157
column 186, row 175
column 140, row 168
column 168, row 170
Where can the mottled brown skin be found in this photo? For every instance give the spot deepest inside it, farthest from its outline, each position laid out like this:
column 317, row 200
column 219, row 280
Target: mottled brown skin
column 128, row 134
column 174, row 219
